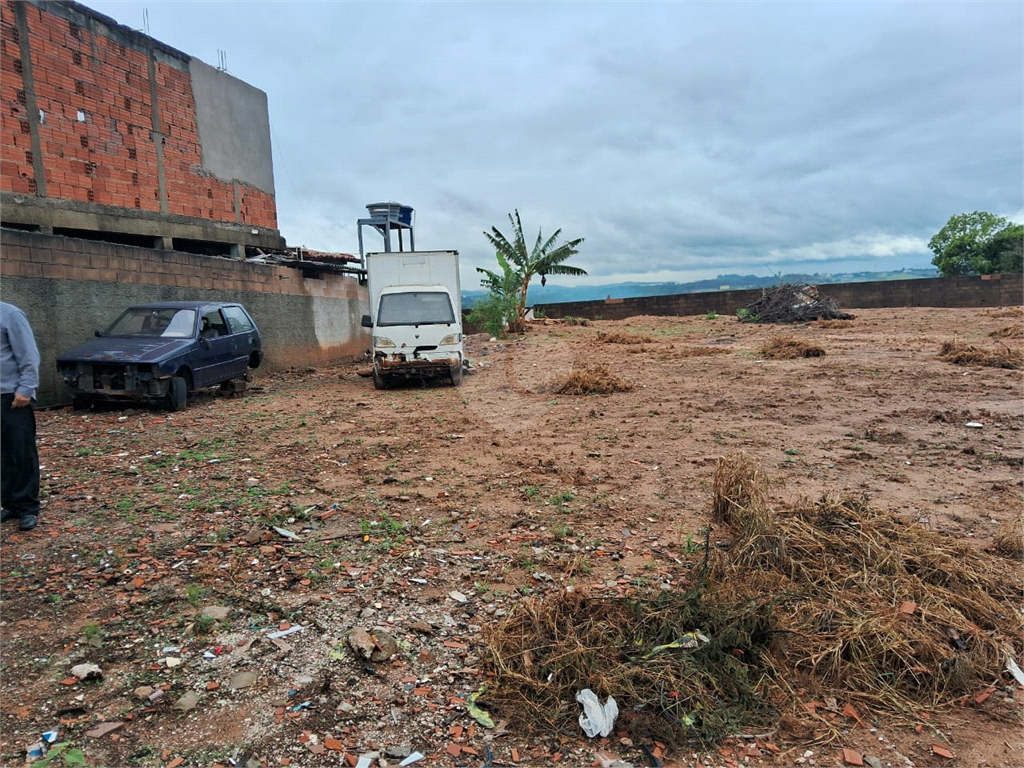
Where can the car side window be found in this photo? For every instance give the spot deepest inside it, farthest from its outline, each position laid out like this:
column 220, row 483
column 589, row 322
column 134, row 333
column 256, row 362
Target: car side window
column 213, row 325
column 238, row 321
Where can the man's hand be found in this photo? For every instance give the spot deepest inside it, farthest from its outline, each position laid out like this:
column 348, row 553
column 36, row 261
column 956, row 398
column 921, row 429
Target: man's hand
column 20, row 401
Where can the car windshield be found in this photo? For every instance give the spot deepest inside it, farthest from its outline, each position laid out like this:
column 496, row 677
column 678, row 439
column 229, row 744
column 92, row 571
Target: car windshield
column 415, row 308
column 168, row 323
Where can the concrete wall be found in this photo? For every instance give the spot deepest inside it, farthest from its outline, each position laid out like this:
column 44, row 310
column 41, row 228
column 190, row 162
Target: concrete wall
column 98, row 118
column 69, row 287
column 961, row 291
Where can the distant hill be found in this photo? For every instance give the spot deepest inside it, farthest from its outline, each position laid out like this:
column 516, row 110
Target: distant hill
column 559, row 294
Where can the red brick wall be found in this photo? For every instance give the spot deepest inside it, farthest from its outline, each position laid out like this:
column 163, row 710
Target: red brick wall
column 109, row 158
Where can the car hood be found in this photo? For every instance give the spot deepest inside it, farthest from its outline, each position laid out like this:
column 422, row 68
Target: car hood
column 115, row 349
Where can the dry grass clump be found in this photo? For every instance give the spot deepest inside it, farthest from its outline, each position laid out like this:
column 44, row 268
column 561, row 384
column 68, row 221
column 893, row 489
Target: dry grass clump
column 871, row 606
column 1009, row 538
column 1007, row 312
column 698, row 351
column 595, row 380
column 966, row 354
column 789, row 348
column 739, row 486
column 679, row 668
column 1009, row 332
column 832, row 323
column 619, row 337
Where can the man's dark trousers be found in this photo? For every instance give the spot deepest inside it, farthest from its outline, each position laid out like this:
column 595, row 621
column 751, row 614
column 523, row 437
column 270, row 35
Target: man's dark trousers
column 19, row 459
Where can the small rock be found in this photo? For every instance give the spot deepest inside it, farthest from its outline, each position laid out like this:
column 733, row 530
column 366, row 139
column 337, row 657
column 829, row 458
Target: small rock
column 87, row 672
column 143, row 692
column 187, row 702
column 361, row 642
column 241, row 680
column 216, row 612
column 252, row 482
column 422, row 627
column 458, row 597
column 873, row 761
column 401, row 751
column 387, row 646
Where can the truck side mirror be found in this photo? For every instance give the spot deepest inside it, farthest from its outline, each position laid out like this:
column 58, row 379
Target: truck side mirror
column 367, row 322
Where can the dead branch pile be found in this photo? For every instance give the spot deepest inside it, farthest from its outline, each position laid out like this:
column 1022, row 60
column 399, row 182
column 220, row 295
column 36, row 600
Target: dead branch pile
column 792, row 304
column 619, row 337
column 595, row 380
column 871, row 607
column 966, row 354
column 789, row 348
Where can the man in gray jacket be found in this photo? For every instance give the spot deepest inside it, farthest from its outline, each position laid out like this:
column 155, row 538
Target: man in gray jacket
column 19, row 377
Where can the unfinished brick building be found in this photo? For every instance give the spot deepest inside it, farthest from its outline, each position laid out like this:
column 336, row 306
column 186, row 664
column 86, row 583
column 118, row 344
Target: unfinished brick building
column 109, row 134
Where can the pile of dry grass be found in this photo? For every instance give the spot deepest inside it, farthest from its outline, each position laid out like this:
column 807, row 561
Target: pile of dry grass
column 966, row 354
column 594, row 380
column 1009, row 332
column 833, row 597
column 872, row 607
column 832, row 323
column 697, row 351
column 1006, row 312
column 680, row 668
column 789, row 348
column 619, row 337
column 1009, row 538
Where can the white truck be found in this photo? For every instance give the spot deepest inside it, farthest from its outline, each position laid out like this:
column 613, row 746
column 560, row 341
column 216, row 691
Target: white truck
column 416, row 316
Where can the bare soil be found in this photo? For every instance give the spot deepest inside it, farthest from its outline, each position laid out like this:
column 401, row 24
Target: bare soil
column 427, row 512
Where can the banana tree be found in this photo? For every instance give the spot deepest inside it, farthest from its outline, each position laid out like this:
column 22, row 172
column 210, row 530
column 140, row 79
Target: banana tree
column 545, row 258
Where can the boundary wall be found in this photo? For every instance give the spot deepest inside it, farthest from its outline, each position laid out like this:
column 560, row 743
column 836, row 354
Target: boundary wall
column 69, row 287
column 960, row 291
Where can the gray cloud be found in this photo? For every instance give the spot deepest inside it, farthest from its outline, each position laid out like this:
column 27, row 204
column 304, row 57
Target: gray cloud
column 679, row 139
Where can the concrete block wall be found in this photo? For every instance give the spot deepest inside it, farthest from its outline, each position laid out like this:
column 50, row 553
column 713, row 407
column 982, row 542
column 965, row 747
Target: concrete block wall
column 94, row 112
column 69, row 287
column 960, row 291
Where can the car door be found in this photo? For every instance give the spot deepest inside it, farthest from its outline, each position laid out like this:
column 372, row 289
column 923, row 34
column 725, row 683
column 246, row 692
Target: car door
column 242, row 333
column 215, row 346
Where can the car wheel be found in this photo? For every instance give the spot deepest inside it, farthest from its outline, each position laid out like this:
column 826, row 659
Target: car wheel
column 177, row 395
column 255, row 358
column 379, row 381
column 456, row 374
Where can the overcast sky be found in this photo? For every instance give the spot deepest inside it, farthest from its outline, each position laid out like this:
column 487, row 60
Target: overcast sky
column 682, row 140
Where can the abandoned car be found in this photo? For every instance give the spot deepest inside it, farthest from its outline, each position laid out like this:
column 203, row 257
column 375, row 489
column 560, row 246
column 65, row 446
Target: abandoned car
column 163, row 351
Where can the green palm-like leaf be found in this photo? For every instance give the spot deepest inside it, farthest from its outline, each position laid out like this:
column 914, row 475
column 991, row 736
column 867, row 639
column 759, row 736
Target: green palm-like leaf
column 545, row 258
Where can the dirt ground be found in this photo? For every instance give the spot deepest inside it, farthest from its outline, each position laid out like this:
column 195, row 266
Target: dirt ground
column 426, row 512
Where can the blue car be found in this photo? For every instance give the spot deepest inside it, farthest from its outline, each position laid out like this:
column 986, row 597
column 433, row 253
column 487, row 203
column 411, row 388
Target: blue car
column 161, row 352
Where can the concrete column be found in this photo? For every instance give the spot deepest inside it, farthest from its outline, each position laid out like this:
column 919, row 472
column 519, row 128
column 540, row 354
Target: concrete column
column 158, row 135
column 163, row 243
column 29, row 84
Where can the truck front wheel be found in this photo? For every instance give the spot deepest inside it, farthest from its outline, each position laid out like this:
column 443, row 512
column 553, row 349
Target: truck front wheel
column 456, row 374
column 378, row 380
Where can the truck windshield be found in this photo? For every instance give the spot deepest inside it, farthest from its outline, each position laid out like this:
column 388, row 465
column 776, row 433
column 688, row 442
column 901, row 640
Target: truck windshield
column 415, row 308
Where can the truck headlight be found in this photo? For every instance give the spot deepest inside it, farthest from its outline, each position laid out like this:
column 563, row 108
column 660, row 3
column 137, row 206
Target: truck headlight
column 382, row 341
column 451, row 338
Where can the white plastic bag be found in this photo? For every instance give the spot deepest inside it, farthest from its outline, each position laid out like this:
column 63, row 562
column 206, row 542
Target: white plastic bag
column 596, row 719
